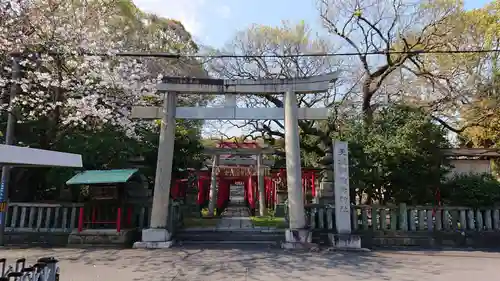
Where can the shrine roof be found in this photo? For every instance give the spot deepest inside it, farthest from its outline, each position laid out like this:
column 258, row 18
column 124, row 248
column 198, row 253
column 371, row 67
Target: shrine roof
column 12, row 155
column 102, row 176
column 471, row 152
column 238, row 151
column 236, row 144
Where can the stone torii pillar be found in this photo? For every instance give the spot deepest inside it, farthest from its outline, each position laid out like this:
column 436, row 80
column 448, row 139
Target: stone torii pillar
column 213, row 186
column 261, row 186
column 158, row 236
column 294, row 172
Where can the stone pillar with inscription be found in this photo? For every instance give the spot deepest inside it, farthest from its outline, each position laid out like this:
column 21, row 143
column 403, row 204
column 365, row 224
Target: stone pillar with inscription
column 344, row 239
column 325, row 190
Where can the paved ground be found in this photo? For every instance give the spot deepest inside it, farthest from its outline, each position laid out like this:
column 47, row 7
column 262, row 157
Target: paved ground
column 219, row 264
column 235, row 218
column 237, row 195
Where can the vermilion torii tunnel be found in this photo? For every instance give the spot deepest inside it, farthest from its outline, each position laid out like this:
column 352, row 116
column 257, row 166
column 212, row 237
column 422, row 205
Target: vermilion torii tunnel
column 274, row 184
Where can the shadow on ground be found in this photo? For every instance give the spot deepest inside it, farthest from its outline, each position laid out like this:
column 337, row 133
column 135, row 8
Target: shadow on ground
column 246, row 263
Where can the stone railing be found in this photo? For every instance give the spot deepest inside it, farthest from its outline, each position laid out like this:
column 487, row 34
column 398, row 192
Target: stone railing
column 142, row 216
column 67, row 217
column 407, row 218
column 41, row 217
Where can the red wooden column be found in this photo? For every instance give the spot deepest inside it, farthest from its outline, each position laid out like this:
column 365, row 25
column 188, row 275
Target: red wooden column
column 275, row 191
column 200, row 198
column 270, row 187
column 313, row 183
column 223, row 194
column 251, row 192
column 268, row 191
column 175, row 191
column 245, row 191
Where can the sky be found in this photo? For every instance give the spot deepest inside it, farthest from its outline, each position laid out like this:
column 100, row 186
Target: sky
column 214, row 22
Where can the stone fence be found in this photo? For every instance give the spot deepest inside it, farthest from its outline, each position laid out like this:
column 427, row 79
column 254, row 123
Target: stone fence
column 402, row 225
column 53, row 224
column 396, row 225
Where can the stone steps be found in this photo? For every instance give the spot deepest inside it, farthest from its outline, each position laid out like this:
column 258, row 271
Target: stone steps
column 231, row 237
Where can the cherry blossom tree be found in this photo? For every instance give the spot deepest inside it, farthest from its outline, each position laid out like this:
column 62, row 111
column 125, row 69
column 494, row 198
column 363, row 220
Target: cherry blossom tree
column 73, row 82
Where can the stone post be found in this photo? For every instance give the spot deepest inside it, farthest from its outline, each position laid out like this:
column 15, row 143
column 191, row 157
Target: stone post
column 262, row 188
column 325, row 191
column 297, row 235
column 213, row 186
column 157, row 236
column 343, row 239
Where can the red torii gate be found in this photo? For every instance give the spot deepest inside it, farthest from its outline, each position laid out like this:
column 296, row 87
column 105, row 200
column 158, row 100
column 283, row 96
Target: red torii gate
column 272, row 181
column 245, row 176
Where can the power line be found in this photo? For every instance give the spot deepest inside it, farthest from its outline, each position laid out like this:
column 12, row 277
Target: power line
column 179, row 56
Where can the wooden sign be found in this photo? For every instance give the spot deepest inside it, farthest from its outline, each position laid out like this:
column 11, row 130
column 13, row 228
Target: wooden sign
column 193, row 81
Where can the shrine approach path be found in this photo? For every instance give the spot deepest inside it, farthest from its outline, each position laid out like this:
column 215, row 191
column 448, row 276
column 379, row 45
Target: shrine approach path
column 218, row 263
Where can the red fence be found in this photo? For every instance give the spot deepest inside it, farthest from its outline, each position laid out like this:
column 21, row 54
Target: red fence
column 106, row 217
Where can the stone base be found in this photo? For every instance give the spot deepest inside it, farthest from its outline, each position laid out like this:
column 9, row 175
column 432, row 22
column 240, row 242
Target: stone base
column 346, row 242
column 103, row 237
column 298, row 239
column 155, row 235
column 153, row 245
column 279, row 211
column 154, row 238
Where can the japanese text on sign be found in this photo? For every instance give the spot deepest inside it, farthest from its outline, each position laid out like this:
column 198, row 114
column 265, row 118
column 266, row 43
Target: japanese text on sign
column 2, row 199
column 2, row 191
column 342, row 198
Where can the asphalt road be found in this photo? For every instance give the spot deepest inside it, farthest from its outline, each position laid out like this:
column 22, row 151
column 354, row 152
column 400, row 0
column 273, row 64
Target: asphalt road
column 231, row 264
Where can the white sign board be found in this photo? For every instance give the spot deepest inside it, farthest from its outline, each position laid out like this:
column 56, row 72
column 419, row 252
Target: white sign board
column 342, row 200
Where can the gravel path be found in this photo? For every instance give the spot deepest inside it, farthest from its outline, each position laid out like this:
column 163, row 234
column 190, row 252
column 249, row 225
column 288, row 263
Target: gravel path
column 219, row 264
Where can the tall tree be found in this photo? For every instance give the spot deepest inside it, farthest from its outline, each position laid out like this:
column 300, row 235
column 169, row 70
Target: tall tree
column 367, row 26
column 288, row 39
column 454, row 87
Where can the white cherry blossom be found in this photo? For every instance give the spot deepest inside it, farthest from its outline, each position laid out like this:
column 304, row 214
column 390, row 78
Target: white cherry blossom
column 58, row 81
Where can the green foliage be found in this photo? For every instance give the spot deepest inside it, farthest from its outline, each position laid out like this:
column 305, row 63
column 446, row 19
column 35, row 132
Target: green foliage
column 398, row 157
column 472, row 190
column 108, row 148
column 188, row 149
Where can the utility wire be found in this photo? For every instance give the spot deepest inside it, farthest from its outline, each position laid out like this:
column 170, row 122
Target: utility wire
column 178, row 56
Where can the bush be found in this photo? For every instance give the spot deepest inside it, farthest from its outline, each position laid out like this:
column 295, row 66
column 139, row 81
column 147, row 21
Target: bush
column 471, row 190
column 398, row 158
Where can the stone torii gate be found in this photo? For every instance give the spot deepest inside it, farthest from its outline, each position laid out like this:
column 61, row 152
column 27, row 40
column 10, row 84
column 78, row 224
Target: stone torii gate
column 157, row 236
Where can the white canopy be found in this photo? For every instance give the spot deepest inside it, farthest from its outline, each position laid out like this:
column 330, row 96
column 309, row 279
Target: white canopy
column 25, row 156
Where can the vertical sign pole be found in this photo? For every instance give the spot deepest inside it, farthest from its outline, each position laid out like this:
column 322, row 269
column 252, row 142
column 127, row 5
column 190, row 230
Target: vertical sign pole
column 9, row 139
column 342, row 200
